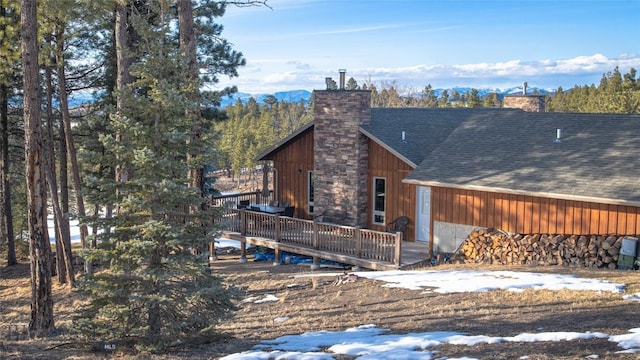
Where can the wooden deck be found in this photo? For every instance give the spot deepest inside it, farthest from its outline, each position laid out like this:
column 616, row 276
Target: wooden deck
column 349, row 245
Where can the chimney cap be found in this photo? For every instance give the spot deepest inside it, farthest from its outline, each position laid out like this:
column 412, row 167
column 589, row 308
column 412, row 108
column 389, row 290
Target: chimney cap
column 342, row 78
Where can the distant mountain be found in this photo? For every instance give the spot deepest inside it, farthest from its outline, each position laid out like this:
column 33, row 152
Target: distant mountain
column 501, row 92
column 297, row 95
column 287, row 96
column 83, row 98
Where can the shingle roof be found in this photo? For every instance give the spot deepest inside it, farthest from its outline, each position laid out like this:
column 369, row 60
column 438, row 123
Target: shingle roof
column 424, row 130
column 597, row 159
column 512, row 151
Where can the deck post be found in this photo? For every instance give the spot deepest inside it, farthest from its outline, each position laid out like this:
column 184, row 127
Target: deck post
column 243, row 222
column 398, row 247
column 277, row 255
column 276, row 236
column 316, row 263
column 277, row 233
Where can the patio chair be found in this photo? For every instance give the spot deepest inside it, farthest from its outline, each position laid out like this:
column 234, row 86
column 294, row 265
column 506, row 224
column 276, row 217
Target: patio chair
column 398, row 225
column 288, row 211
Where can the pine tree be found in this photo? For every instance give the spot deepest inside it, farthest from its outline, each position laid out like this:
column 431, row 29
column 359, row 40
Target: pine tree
column 429, row 98
column 157, row 286
column 473, row 99
column 352, row 84
column 41, row 322
column 444, row 99
column 9, row 55
column 491, row 100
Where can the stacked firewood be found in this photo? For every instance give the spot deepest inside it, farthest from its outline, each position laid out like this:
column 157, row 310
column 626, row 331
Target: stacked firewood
column 488, row 246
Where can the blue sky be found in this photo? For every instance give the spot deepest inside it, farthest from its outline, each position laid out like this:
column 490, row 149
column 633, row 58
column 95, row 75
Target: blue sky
column 412, row 43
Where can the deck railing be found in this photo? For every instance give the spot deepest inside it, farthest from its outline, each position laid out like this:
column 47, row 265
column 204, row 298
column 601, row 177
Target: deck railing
column 337, row 239
column 231, row 200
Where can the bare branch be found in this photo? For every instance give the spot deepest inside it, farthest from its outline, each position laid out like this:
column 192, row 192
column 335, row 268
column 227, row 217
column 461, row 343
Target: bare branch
column 248, row 3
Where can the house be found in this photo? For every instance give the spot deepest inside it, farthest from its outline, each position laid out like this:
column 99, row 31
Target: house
column 453, row 170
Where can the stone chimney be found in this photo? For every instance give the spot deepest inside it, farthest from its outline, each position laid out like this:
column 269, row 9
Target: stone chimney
column 531, row 103
column 341, row 152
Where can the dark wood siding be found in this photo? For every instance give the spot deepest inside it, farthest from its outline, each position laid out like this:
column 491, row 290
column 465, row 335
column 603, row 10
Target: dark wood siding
column 293, row 162
column 400, row 197
column 530, row 215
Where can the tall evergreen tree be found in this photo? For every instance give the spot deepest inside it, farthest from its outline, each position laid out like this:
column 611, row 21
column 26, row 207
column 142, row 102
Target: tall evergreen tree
column 473, row 99
column 429, row 98
column 157, row 286
column 41, row 322
column 9, row 55
column 443, row 102
column 491, row 100
column 352, row 84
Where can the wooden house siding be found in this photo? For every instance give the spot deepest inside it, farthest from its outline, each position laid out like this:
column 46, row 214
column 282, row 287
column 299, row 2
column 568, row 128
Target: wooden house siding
column 293, row 163
column 400, row 197
column 531, row 215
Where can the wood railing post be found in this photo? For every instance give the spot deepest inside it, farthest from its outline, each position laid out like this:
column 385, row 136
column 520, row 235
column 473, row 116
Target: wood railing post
column 277, row 231
column 397, row 257
column 277, row 251
column 314, row 234
column 243, row 222
column 358, row 238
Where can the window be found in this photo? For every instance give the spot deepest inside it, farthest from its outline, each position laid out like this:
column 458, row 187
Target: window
column 310, row 189
column 379, row 197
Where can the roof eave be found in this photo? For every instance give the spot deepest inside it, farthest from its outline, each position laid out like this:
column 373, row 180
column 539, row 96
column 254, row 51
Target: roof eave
column 599, row 200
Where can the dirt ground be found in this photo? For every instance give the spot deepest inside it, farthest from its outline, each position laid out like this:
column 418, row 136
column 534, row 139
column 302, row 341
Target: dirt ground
column 313, row 303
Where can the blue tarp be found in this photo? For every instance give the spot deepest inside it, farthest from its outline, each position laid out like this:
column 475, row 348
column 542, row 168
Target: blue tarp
column 265, row 254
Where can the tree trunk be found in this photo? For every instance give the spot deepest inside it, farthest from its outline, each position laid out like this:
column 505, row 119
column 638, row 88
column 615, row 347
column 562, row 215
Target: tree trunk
column 61, row 231
column 6, row 215
column 71, row 149
column 41, row 322
column 123, row 40
column 190, row 69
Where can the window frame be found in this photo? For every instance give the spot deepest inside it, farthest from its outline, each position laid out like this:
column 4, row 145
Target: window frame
column 378, row 216
column 310, row 192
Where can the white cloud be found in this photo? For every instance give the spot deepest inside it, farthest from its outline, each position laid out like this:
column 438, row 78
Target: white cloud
column 546, row 73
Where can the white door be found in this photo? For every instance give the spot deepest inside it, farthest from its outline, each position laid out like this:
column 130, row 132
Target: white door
column 424, row 213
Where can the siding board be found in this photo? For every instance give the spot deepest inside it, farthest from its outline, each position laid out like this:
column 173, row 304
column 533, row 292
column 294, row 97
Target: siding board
column 491, row 208
column 527, row 214
column 401, row 198
column 536, row 218
column 613, row 220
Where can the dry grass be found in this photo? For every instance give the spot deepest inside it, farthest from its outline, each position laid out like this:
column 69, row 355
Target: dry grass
column 313, row 304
